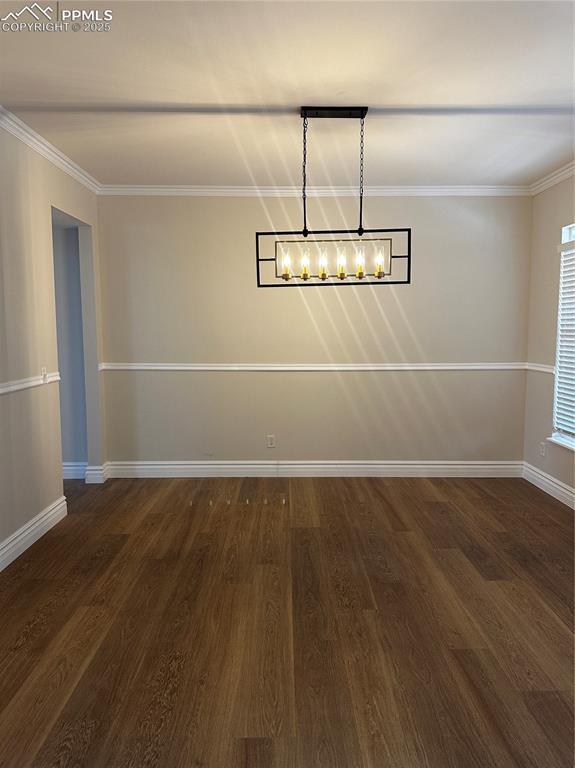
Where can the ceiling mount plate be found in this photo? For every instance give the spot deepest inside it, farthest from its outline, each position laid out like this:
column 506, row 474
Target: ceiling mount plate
column 354, row 112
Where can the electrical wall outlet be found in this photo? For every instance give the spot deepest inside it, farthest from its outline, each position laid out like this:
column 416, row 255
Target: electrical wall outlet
column 542, row 448
column 271, row 441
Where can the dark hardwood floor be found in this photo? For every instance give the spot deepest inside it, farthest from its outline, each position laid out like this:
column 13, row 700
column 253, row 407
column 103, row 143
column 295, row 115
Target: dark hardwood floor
column 405, row 623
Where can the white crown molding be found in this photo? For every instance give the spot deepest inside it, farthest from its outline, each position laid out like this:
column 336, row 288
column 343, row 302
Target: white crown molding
column 74, row 470
column 32, row 381
column 25, row 536
column 559, row 490
column 22, row 131
column 142, row 469
column 556, row 177
column 328, row 367
column 381, row 191
column 17, row 128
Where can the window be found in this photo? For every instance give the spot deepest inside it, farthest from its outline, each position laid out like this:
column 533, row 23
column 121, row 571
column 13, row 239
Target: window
column 564, row 401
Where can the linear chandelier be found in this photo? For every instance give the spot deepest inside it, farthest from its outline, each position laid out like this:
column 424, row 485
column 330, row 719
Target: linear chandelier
column 333, row 257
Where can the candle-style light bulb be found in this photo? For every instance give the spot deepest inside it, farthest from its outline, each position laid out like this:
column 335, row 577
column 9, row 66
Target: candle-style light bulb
column 360, row 263
column 286, row 266
column 323, row 274
column 341, row 264
column 305, row 265
column 379, row 272
column 382, row 263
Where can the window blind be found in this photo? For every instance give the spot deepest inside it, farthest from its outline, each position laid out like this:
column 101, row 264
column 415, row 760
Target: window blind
column 564, row 406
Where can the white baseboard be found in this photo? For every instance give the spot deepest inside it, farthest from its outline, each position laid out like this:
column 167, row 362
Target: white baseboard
column 550, row 485
column 131, row 469
column 25, row 536
column 143, row 469
column 98, row 473
column 74, row 470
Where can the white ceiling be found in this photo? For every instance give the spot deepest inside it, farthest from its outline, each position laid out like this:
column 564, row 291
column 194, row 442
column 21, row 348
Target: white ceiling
column 117, row 102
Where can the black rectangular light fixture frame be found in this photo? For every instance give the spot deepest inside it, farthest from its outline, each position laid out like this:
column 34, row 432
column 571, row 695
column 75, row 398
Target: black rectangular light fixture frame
column 295, row 282
column 346, row 112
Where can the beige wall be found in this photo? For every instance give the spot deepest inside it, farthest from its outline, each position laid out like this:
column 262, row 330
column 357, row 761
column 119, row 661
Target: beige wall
column 30, row 452
column 315, row 416
column 552, row 210
column 173, row 280
column 178, row 285
column 178, row 281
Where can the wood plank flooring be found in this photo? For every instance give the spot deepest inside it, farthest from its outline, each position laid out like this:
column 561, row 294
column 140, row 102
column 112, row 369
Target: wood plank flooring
column 301, row 623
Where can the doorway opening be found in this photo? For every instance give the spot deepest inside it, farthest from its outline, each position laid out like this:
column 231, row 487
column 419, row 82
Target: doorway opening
column 70, row 341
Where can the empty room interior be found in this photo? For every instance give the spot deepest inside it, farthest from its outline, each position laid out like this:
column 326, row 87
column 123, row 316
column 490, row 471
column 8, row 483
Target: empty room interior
column 287, row 384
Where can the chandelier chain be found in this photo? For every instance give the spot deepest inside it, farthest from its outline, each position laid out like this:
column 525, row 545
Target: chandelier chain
column 304, row 177
column 361, row 155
